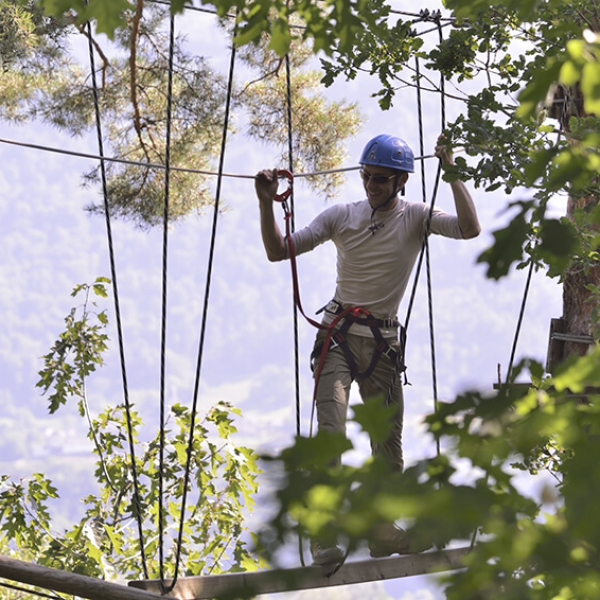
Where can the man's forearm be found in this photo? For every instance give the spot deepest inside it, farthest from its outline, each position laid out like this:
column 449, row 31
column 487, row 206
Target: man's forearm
column 273, row 240
column 465, row 210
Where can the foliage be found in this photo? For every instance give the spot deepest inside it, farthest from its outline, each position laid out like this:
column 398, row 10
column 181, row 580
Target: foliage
column 328, row 24
column 516, row 145
column 40, row 79
column 544, row 547
column 31, row 56
column 78, row 351
column 106, row 542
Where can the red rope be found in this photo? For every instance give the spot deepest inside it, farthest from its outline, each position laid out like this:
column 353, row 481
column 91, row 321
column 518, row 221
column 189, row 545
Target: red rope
column 355, row 311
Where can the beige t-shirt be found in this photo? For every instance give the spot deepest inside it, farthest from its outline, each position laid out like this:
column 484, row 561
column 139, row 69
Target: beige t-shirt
column 376, row 252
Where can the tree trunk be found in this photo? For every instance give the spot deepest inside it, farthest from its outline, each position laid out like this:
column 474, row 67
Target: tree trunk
column 579, row 304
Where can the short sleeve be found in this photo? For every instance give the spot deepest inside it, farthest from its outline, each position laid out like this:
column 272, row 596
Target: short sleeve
column 317, row 232
column 444, row 224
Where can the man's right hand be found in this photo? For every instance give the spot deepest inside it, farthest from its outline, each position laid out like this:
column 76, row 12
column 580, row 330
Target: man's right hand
column 266, row 184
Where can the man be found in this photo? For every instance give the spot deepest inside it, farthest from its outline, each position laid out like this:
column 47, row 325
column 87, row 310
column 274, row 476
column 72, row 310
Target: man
column 378, row 241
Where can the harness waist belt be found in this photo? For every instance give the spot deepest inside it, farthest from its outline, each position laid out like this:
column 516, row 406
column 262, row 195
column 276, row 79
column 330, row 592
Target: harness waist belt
column 335, row 308
column 381, row 323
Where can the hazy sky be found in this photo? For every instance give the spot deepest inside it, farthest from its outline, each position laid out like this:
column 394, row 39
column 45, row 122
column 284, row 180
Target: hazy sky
column 50, row 244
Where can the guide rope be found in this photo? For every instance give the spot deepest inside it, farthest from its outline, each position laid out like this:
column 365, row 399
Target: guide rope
column 113, row 271
column 425, row 254
column 163, row 321
column 213, row 236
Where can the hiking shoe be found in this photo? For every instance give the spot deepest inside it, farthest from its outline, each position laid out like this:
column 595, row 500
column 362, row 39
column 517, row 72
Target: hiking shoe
column 387, row 539
column 325, row 555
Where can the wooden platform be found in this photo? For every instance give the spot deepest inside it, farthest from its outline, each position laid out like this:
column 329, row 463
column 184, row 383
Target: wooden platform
column 68, row 583
column 246, row 585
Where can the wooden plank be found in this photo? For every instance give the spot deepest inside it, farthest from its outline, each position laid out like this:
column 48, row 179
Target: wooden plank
column 68, row 583
column 239, row 585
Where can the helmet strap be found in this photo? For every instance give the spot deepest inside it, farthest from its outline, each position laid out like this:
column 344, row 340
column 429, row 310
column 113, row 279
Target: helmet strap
column 403, row 190
column 375, row 226
column 394, row 193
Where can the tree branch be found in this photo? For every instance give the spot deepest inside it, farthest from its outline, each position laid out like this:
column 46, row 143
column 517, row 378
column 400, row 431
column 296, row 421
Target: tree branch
column 135, row 33
column 268, row 74
column 105, row 62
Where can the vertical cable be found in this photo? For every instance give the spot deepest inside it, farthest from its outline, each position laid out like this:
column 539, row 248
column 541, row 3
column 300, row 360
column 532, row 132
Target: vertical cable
column 194, row 410
column 427, row 253
column 137, row 509
column 288, row 76
column 519, row 322
column 425, row 247
column 163, row 330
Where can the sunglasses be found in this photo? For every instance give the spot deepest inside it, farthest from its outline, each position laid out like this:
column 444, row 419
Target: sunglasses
column 378, row 179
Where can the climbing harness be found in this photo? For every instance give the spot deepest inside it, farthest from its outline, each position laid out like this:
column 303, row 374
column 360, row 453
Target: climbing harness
column 362, row 317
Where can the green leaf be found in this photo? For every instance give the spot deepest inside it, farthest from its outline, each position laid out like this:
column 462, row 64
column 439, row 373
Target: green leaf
column 109, row 15
column 558, row 242
column 177, row 6
column 570, row 73
column 585, row 372
column 58, row 8
column 317, row 452
column 539, row 165
column 536, row 91
column 576, row 51
column 100, row 290
column 590, row 86
column 181, row 450
column 507, row 248
column 281, row 37
column 375, row 418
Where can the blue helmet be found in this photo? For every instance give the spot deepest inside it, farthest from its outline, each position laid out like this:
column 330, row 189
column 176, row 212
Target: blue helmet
column 389, row 151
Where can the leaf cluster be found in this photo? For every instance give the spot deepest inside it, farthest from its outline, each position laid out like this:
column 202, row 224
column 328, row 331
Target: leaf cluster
column 528, row 128
column 105, row 543
column 220, row 492
column 78, row 351
column 200, row 453
column 527, row 545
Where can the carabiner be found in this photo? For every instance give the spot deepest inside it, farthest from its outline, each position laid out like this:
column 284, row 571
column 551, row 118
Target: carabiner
column 290, row 177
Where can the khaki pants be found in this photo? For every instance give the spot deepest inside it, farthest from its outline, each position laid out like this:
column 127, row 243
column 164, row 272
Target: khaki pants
column 333, row 392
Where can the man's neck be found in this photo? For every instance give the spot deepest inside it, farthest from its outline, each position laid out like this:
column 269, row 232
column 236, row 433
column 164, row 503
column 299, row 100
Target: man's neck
column 389, row 204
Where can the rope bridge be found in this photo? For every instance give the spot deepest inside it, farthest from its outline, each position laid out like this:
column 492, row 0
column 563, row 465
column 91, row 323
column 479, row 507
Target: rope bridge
column 236, row 584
